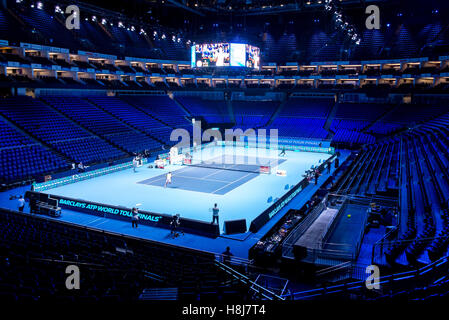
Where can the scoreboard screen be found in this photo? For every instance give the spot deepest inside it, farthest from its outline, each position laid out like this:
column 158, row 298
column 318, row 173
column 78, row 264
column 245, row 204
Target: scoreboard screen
column 225, row 55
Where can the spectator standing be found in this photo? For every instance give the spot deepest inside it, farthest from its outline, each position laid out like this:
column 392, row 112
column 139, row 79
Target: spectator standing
column 135, row 217
column 227, row 255
column 21, row 203
column 215, row 212
column 317, row 175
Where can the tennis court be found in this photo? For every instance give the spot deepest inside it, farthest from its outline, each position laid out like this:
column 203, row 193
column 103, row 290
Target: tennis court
column 194, row 190
column 217, row 176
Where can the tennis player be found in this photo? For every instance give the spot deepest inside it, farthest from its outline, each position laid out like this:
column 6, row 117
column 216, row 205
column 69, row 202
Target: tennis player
column 168, row 179
column 282, row 152
column 135, row 164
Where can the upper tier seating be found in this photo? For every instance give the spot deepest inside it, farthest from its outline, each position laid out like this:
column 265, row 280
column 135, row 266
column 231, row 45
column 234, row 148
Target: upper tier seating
column 165, row 110
column 103, row 124
column 410, row 113
column 213, row 111
column 358, row 111
column 133, row 117
column 54, row 129
column 22, row 158
column 253, row 114
column 28, row 162
column 299, row 127
column 307, row 107
column 9, row 137
column 39, row 120
column 86, row 114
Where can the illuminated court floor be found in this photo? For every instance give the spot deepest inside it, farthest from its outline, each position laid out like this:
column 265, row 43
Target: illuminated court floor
column 239, row 195
column 215, row 180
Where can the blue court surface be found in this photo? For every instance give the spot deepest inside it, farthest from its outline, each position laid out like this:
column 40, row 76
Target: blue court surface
column 224, row 174
column 239, row 195
column 245, row 201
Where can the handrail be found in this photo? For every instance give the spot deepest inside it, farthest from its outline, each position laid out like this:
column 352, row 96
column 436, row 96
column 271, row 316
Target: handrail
column 333, row 268
column 428, row 239
column 258, row 289
column 389, row 279
column 333, row 223
column 302, row 226
column 233, row 260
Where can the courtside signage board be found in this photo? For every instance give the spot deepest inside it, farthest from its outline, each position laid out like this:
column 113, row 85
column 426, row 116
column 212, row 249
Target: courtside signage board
column 145, row 217
column 103, row 209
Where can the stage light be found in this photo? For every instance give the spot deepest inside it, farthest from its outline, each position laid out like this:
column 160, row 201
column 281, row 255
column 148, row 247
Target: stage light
column 94, row 18
column 103, row 21
column 132, row 28
column 40, row 5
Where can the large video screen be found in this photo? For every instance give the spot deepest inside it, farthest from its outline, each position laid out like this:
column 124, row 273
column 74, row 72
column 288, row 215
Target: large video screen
column 252, row 57
column 211, row 55
column 224, row 55
column 238, row 55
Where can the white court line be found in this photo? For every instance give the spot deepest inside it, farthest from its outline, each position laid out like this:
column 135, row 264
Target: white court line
column 232, row 182
column 163, row 176
column 218, row 170
column 105, row 220
column 188, row 177
column 95, row 220
column 196, row 178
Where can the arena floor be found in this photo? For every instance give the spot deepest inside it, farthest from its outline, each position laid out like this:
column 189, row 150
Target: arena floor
column 239, row 243
column 195, row 190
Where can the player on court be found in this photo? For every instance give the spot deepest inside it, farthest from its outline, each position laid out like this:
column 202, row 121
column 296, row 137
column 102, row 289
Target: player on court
column 282, row 152
column 168, row 179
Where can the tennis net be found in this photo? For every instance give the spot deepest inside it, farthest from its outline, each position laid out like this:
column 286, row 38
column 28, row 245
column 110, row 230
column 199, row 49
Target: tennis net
column 223, row 165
